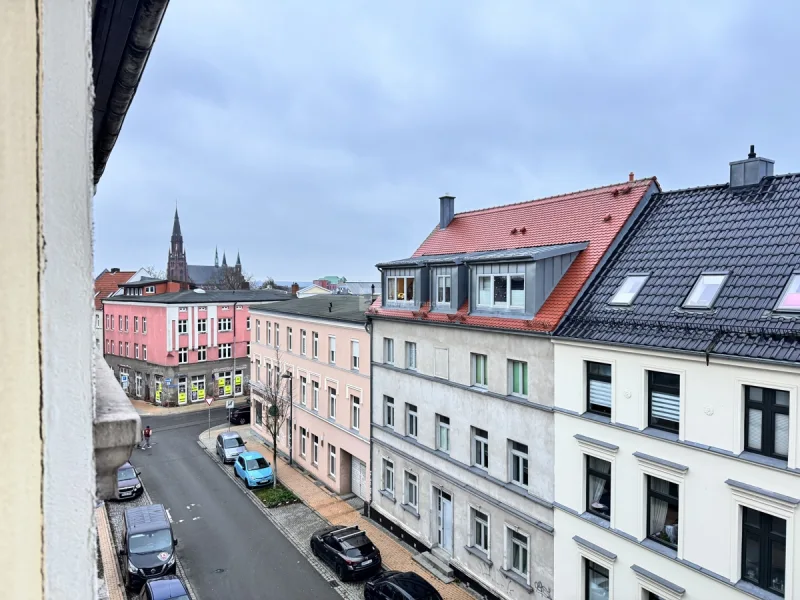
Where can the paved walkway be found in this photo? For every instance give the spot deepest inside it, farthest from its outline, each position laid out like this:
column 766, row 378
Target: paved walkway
column 108, row 555
column 333, row 509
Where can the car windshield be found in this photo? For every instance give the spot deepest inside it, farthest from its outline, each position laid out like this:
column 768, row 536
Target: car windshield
column 232, row 442
column 152, row 541
column 126, row 473
column 254, row 464
column 418, row 590
column 357, row 546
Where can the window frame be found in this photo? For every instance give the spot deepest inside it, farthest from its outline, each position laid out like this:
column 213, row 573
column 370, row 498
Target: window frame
column 332, row 461
column 144, row 324
column 183, row 326
column 443, row 425
column 303, row 347
column 202, row 325
column 388, row 351
column 507, row 305
column 228, row 351
column 603, row 379
column 650, row 385
column 607, row 477
column 388, row 412
column 480, row 447
column 765, row 537
column 277, row 335
column 388, row 469
column 393, row 279
column 524, row 461
column 524, row 376
column 407, row 475
column 698, row 282
column 411, row 413
column 332, row 349
column 314, row 449
column 795, row 276
column 224, row 325
column 204, row 350
column 444, row 289
column 355, row 354
column 303, row 436
column 476, row 360
column 332, row 403
column 770, row 408
column 355, row 412
column 511, row 534
column 646, row 278
column 303, row 389
column 411, row 351
column 135, row 324
column 247, row 323
column 183, row 355
column 587, row 562
column 289, row 339
column 475, row 515
column 315, row 395
column 144, row 351
column 669, row 499
column 315, row 345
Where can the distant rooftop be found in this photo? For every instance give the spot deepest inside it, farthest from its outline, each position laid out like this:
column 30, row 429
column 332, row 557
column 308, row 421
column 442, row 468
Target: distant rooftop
column 334, row 307
column 207, row 297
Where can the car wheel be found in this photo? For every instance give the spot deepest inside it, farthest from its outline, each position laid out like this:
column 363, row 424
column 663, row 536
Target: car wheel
column 314, row 549
column 242, row 420
column 340, row 573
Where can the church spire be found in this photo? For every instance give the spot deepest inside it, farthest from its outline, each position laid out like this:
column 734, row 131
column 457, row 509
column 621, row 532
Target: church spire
column 176, row 224
column 177, row 269
column 238, row 260
column 224, row 260
column 216, row 256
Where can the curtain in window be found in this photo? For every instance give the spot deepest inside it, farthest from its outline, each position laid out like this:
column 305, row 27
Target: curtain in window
column 658, row 507
column 781, row 434
column 598, row 484
column 666, row 406
column 600, row 393
column 754, row 416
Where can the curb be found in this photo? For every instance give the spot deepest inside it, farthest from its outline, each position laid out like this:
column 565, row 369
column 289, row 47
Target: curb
column 111, row 570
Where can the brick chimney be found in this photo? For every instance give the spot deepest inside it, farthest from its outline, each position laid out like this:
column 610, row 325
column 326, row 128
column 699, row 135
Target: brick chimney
column 295, row 289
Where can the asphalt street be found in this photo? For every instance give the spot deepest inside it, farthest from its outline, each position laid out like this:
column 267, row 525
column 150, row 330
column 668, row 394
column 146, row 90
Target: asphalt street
column 227, row 547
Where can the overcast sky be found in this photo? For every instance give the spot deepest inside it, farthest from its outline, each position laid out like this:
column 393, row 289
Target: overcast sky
column 316, row 137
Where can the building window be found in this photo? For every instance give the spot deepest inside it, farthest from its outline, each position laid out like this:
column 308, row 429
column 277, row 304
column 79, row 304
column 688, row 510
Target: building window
column 400, row 289
column 705, row 291
column 144, row 351
column 315, row 395
column 502, row 291
column 289, row 338
column 331, row 461
column 411, row 491
column 790, row 299
column 411, row 420
column 332, row 349
column 248, row 348
column 411, row 355
column 354, row 352
column 182, row 326
column 598, row 487
column 303, row 435
column 443, row 433
column 183, row 356
column 135, row 324
column 136, row 351
column 198, row 387
column 258, row 331
column 303, row 387
column 596, row 581
column 518, row 378
column 144, row 324
column 480, row 374
column 480, row 448
column 388, row 411
column 764, row 550
column 224, row 324
column 630, row 288
column 314, row 449
column 201, row 353
column 258, row 369
column 269, row 333
column 150, row 289
column 225, row 351
column 269, row 374
column 332, row 403
column 277, row 335
column 443, row 289
column 119, row 348
column 356, row 418
column 480, row 530
column 126, row 323
column 120, row 323
column 517, row 552
column 388, row 351
column 259, row 414
column 664, row 391
column 184, row 308
column 388, row 476
column 127, row 350
column 247, row 323
column 518, row 463
column 598, row 388
column 303, row 342
column 766, row 421
column 314, row 344
column 662, row 511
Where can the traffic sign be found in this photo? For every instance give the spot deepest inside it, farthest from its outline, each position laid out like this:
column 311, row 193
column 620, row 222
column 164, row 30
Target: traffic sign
column 229, row 404
column 167, row 381
column 123, row 377
column 209, row 400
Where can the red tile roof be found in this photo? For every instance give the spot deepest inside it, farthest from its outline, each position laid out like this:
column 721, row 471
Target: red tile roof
column 594, row 216
column 107, row 283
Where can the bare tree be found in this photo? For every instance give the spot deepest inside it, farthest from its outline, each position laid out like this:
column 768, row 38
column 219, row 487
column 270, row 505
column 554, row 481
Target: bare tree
column 155, row 273
column 229, row 278
column 277, row 404
column 268, row 283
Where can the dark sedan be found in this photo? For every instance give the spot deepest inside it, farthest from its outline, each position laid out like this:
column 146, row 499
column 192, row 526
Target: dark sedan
column 240, row 415
column 394, row 585
column 347, row 550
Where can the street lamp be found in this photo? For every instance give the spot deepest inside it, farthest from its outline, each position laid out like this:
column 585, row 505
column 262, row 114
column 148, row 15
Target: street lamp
column 288, row 375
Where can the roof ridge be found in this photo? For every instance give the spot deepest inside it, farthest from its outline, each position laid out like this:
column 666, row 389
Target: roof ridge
column 556, row 197
column 723, row 185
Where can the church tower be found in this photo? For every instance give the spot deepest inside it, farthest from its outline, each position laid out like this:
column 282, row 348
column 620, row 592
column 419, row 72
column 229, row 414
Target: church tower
column 177, row 269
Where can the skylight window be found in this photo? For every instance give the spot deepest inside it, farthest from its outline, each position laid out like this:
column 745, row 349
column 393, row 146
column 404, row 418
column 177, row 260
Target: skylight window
column 705, row 290
column 790, row 299
column 629, row 289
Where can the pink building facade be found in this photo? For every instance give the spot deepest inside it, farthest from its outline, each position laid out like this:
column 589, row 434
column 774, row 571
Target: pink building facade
column 322, row 342
column 180, row 348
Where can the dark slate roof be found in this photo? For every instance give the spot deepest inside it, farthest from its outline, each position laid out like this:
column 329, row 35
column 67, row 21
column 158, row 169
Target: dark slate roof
column 754, row 233
column 202, row 274
column 533, row 253
column 325, row 306
column 207, row 297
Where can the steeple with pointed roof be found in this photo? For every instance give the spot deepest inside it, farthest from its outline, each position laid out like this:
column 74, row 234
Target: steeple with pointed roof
column 224, row 260
column 238, row 263
column 216, row 256
column 177, row 269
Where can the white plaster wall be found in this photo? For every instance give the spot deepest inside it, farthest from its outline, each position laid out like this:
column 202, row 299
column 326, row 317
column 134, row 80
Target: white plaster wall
column 712, row 414
column 66, row 298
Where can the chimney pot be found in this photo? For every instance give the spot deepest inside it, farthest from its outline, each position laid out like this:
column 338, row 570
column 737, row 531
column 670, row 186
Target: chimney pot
column 447, row 205
column 630, row 176
column 751, row 170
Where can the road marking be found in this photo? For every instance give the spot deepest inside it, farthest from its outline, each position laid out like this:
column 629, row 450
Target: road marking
column 169, row 516
column 195, row 518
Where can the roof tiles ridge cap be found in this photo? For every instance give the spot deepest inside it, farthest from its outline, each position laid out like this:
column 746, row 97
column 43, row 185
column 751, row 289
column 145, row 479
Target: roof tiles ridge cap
column 556, row 197
column 724, row 185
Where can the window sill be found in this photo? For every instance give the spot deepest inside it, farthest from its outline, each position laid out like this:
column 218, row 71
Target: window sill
column 518, row 579
column 661, row 433
column 410, row 509
column 659, row 547
column 600, row 418
column 756, row 591
column 604, row 522
column 387, row 494
column 332, row 477
column 480, row 554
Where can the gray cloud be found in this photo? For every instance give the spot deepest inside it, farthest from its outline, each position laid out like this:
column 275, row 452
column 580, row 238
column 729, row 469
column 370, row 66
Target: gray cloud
column 316, row 137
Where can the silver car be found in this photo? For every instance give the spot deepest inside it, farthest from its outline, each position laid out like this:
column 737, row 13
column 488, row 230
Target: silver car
column 229, row 446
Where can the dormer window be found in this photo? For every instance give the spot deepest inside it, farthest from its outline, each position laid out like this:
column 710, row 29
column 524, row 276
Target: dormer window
column 630, row 288
column 790, row 299
column 400, row 289
column 443, row 289
column 705, row 290
column 502, row 291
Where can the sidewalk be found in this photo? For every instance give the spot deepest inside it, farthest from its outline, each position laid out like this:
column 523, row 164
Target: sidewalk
column 396, row 556
column 148, row 409
column 108, row 556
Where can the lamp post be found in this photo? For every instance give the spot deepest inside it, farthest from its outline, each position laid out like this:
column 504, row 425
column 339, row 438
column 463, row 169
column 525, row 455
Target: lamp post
column 288, row 375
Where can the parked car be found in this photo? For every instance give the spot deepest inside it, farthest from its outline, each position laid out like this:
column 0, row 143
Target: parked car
column 148, row 546
column 164, row 588
column 129, row 485
column 395, row 585
column 240, row 414
column 253, row 468
column 229, row 446
column 347, row 550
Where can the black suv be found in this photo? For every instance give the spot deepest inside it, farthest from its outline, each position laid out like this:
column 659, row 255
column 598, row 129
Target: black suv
column 347, row 550
column 394, row 585
column 148, row 546
column 240, row 414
